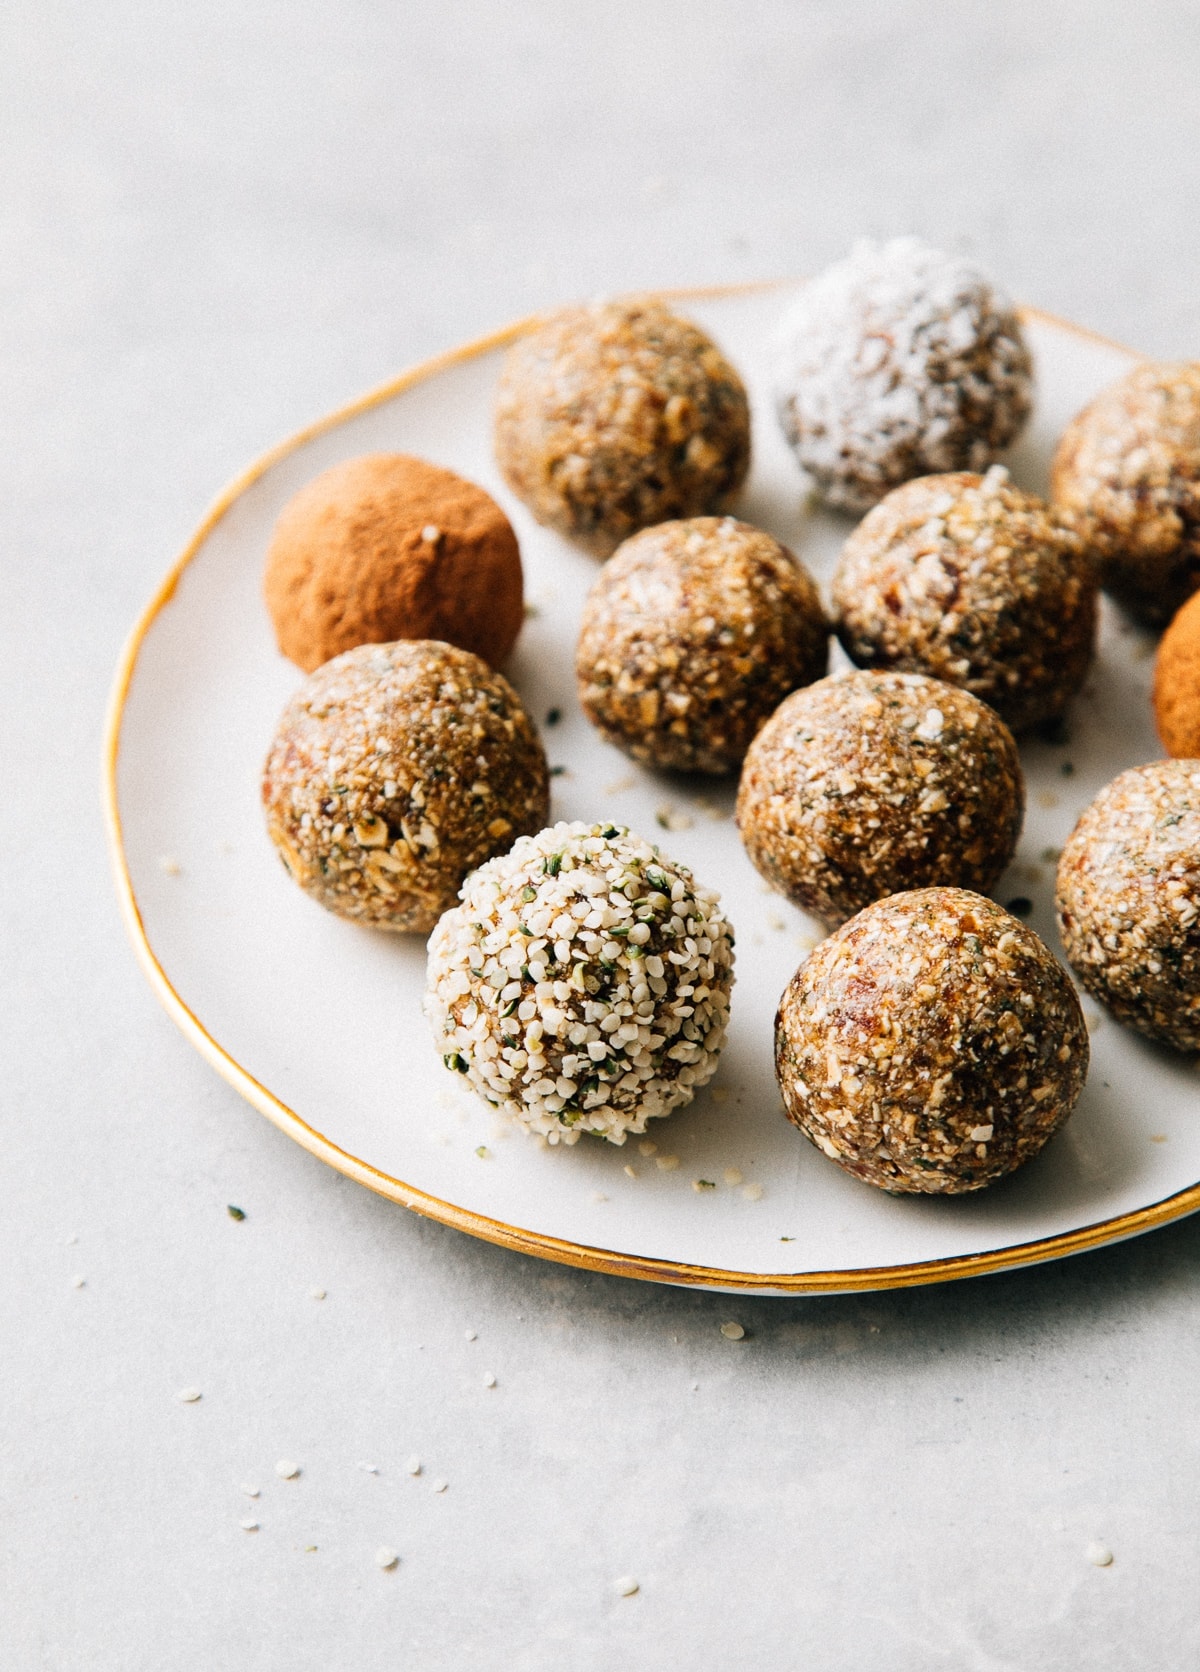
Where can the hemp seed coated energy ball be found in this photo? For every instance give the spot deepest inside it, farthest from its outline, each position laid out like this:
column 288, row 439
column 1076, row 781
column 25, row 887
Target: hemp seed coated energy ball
column 931, row 1045
column 583, row 983
column 692, row 634
column 972, row 581
column 1177, row 683
column 1128, row 470
column 1128, row 900
column 395, row 770
column 388, row 547
column 897, row 362
column 618, row 415
column 870, row 783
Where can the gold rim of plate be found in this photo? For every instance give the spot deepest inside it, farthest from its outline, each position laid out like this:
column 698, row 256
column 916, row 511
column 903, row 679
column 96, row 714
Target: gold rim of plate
column 480, row 1225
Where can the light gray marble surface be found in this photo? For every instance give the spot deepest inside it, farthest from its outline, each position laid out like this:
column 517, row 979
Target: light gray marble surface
column 219, row 221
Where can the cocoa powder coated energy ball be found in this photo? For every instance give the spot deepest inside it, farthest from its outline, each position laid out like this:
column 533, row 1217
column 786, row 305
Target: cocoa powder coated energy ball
column 388, row 547
column 869, row 783
column 618, row 415
column 1128, row 471
column 931, row 1045
column 899, row 362
column 691, row 635
column 974, row 582
column 395, row 770
column 1128, row 900
column 1177, row 683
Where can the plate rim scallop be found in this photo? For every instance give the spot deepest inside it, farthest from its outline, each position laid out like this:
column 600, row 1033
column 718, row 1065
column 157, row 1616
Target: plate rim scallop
column 557, row 1249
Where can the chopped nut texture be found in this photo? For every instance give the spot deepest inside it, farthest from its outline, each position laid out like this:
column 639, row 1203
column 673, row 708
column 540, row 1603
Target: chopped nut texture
column 619, row 415
column 1128, row 900
column 897, row 362
column 869, row 783
column 692, row 634
column 927, row 1017
column 395, row 770
column 972, row 581
column 583, row 983
column 1127, row 471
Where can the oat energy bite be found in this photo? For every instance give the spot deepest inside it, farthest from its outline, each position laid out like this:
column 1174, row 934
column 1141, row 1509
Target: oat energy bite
column 691, row 635
column 1177, row 683
column 618, row 415
column 897, row 362
column 1128, row 900
column 395, row 770
column 1128, row 470
column 583, row 983
column 388, row 547
column 971, row 580
column 931, row 1045
column 869, row 783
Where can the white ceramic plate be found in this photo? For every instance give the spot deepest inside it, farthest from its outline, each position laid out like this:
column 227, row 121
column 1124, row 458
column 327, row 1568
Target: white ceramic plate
column 319, row 1023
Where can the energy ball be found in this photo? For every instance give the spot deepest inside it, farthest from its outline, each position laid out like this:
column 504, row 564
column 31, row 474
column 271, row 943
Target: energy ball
column 619, row 415
column 1177, row 683
column 931, row 1045
column 691, row 635
column 1128, row 900
column 395, row 770
column 968, row 579
column 1128, row 470
column 583, row 983
column 388, row 547
column 869, row 783
column 897, row 362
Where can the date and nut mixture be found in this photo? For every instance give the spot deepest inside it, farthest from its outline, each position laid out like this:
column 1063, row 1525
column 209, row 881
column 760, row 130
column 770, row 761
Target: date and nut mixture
column 692, row 634
column 395, row 770
column 931, row 1045
column 869, row 783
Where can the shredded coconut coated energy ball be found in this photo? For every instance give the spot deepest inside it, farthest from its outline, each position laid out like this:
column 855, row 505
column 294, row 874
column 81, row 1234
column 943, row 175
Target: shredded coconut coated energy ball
column 931, row 1045
column 897, row 362
column 692, row 634
column 1128, row 900
column 583, row 983
column 395, row 770
column 974, row 582
column 1128, row 471
column 868, row 783
column 618, row 415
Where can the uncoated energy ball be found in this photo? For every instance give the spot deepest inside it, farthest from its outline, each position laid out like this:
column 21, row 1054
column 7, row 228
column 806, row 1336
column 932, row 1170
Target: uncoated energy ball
column 618, row 415
column 395, row 770
column 583, row 983
column 897, row 362
column 1128, row 900
column 1128, row 470
column 869, row 783
column 931, row 1045
column 691, row 635
column 971, row 580
column 1177, row 683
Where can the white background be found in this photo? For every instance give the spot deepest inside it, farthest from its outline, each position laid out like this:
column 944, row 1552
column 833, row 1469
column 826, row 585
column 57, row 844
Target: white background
column 218, row 222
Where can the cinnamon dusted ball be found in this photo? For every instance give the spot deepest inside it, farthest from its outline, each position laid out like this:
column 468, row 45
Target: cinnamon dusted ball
column 618, row 415
column 869, row 783
column 931, row 1045
column 1128, row 900
column 897, row 362
column 396, row 769
column 388, row 547
column 1177, row 683
column 1128, row 470
column 971, row 580
column 691, row 635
